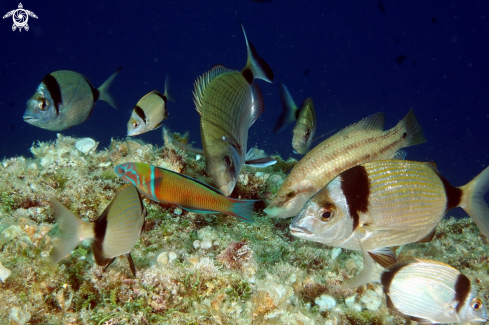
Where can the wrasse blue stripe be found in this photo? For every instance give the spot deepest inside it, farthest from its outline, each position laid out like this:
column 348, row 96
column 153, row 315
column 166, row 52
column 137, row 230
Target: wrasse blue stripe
column 152, row 183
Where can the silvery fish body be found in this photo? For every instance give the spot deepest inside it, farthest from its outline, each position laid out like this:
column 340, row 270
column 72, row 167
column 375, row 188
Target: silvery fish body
column 305, row 127
column 114, row 233
column 431, row 292
column 359, row 143
column 64, row 99
column 229, row 102
column 387, row 203
column 149, row 112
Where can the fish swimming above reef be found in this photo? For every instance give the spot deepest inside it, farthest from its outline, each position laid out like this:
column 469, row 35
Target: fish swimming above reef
column 387, row 203
column 356, row 144
column 64, row 99
column 430, row 292
column 166, row 186
column 229, row 102
column 114, row 233
column 305, row 127
column 149, row 112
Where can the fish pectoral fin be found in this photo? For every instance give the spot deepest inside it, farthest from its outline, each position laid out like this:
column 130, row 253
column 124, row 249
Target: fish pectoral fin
column 369, row 273
column 428, row 237
column 257, row 158
column 198, row 211
column 384, row 256
column 400, row 155
column 421, row 321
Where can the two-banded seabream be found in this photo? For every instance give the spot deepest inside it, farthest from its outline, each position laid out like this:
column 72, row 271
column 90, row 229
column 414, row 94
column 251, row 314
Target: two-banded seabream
column 114, row 233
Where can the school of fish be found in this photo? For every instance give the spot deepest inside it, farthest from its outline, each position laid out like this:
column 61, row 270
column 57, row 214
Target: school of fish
column 353, row 190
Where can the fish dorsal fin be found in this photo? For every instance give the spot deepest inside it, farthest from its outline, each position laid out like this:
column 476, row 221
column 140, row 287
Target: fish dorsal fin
column 202, row 82
column 384, row 256
column 432, row 165
column 257, row 106
column 192, row 179
column 372, row 122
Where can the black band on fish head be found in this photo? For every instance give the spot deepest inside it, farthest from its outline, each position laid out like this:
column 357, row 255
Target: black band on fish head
column 356, row 188
column 462, row 290
column 139, row 111
column 54, row 90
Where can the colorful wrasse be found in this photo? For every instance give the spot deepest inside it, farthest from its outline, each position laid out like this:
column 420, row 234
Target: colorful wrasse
column 149, row 112
column 163, row 185
column 430, row 292
column 229, row 102
column 387, row 203
column 114, row 233
column 305, row 127
column 64, row 99
column 358, row 143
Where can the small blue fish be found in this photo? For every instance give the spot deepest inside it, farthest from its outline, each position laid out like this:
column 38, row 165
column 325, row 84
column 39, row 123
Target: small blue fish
column 64, row 99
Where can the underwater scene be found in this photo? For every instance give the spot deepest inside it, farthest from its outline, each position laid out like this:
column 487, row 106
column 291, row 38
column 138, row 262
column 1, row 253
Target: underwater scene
column 244, row 162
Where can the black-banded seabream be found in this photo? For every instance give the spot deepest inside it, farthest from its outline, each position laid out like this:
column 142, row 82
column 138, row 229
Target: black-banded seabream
column 114, row 233
column 64, row 99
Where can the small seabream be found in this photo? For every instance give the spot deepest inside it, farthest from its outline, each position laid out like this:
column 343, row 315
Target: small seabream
column 166, row 186
column 431, row 292
column 114, row 233
column 64, row 99
column 149, row 112
column 305, row 127
column 387, row 203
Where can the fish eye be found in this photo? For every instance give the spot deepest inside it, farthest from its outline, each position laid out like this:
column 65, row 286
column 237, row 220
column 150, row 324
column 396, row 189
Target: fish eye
column 308, row 133
column 325, row 213
column 290, row 194
column 476, row 304
column 228, row 161
column 43, row 104
column 135, row 124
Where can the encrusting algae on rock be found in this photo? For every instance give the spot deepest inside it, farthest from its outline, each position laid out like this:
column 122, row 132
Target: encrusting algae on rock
column 238, row 273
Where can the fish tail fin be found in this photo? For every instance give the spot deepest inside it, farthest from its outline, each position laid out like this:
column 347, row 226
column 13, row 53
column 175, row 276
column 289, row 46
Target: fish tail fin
column 259, row 68
column 473, row 200
column 104, row 90
column 290, row 109
column 73, row 231
column 242, row 209
column 413, row 133
column 167, row 92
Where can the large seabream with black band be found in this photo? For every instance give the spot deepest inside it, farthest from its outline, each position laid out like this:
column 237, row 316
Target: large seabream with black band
column 356, row 144
column 387, row 203
column 64, row 99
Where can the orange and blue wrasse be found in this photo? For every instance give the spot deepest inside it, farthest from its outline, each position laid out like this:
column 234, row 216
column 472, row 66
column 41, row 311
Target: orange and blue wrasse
column 166, row 186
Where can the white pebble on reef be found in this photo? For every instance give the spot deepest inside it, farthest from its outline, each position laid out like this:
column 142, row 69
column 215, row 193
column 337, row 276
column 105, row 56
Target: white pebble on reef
column 325, row 302
column 349, row 301
column 19, row 316
column 172, row 256
column 206, row 243
column 177, row 211
column 335, row 253
column 4, row 273
column 163, row 258
column 371, row 300
column 197, row 157
column 86, row 145
column 196, row 244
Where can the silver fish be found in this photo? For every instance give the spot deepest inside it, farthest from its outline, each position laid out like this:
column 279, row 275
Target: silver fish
column 64, row 99
column 305, row 127
column 229, row 102
column 114, row 233
column 430, row 292
column 387, row 203
column 149, row 112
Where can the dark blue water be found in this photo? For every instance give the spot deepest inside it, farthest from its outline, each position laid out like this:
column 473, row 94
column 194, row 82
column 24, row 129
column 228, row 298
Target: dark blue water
column 352, row 58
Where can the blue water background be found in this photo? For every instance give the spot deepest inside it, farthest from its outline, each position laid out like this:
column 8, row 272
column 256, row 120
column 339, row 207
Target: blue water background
column 340, row 53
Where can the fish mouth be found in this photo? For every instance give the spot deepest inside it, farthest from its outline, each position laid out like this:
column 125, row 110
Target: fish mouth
column 28, row 118
column 299, row 231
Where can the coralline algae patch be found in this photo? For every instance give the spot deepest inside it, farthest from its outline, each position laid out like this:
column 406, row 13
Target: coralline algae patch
column 191, row 268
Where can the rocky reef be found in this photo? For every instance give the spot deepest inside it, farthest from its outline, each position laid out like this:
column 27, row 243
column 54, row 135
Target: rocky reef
column 191, row 268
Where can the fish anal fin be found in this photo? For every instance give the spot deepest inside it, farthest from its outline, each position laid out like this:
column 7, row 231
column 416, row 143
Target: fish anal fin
column 428, row 237
column 131, row 264
column 384, row 256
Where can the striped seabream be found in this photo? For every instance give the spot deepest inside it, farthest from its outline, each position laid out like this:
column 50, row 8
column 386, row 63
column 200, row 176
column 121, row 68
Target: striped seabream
column 64, row 99
column 114, row 233
column 166, row 186
column 356, row 144
column 387, row 203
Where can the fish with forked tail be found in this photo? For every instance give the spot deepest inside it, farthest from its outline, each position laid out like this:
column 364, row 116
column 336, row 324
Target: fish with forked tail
column 166, row 186
column 229, row 102
column 358, row 143
column 114, row 233
column 387, row 203
column 64, row 99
